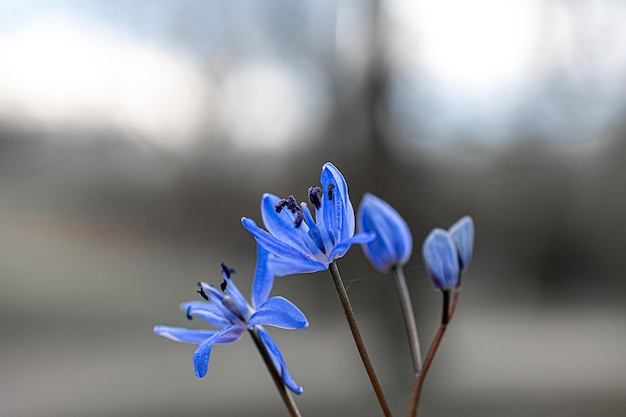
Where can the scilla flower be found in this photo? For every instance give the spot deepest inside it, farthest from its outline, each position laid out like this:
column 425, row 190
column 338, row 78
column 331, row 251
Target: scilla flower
column 393, row 243
column 296, row 242
column 447, row 253
column 228, row 310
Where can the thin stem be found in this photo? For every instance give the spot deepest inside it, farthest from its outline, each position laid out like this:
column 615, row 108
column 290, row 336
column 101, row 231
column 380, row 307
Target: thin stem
column 356, row 334
column 286, row 396
column 418, row 382
column 409, row 318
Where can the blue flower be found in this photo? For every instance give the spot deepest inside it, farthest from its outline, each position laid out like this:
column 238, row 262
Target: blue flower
column 393, row 243
column 296, row 242
column 229, row 311
column 447, row 253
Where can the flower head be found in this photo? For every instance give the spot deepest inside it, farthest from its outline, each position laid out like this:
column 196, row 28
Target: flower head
column 393, row 243
column 447, row 253
column 229, row 311
column 296, row 242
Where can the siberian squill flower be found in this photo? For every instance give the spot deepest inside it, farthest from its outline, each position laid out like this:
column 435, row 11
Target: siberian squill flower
column 393, row 243
column 229, row 311
column 298, row 243
column 447, row 253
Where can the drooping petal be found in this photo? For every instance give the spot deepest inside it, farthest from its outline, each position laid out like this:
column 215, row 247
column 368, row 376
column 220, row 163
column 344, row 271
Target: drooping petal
column 263, row 278
column 180, row 334
column 463, row 234
column 341, row 249
column 393, row 243
column 279, row 361
column 211, row 313
column 289, row 266
column 203, row 352
column 441, row 259
column 279, row 312
column 272, row 244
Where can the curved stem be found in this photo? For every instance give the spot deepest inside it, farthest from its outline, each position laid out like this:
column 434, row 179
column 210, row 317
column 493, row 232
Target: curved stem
column 356, row 334
column 286, row 396
column 418, row 382
column 409, row 318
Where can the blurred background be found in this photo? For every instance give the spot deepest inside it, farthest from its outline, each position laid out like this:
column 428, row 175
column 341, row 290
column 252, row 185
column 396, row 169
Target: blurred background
column 135, row 135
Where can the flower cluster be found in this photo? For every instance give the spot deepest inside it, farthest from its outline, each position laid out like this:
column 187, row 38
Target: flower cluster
column 295, row 240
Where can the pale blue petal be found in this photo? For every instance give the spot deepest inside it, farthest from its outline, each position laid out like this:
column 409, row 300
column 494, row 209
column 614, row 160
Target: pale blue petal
column 279, row 312
column 279, row 362
column 393, row 243
column 211, row 313
column 441, row 259
column 281, row 225
column 290, row 266
column 203, row 352
column 273, row 245
column 345, row 221
column 263, row 278
column 463, row 234
column 237, row 297
column 341, row 249
column 180, row 334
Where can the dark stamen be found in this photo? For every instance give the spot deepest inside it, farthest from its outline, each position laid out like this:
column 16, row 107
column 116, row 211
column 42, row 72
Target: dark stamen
column 226, row 270
column 292, row 205
column 202, row 293
column 315, row 195
column 223, row 285
column 331, row 187
column 189, row 316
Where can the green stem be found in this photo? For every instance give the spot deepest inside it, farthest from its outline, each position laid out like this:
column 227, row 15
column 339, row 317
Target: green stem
column 418, row 382
column 356, row 334
column 286, row 396
column 409, row 318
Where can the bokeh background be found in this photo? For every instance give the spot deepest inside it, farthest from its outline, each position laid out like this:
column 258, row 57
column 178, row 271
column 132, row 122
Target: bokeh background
column 135, row 135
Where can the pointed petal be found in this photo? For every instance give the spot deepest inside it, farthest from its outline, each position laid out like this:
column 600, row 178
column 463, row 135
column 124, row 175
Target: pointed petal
column 180, row 334
column 279, row 312
column 341, row 249
column 263, row 278
column 208, row 312
column 281, row 225
column 463, row 234
column 279, row 361
column 441, row 259
column 339, row 213
column 237, row 297
column 273, row 245
column 393, row 243
column 203, row 352
column 290, row 266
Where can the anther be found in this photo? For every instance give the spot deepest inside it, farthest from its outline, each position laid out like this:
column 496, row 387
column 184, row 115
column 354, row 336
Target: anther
column 223, row 285
column 315, row 194
column 226, row 270
column 189, row 316
column 202, row 293
column 329, row 191
column 292, row 205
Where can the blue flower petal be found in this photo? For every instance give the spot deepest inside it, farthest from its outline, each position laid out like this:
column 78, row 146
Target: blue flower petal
column 180, row 334
column 288, row 266
column 279, row 362
column 348, row 221
column 441, row 259
column 237, row 297
column 208, row 312
column 393, row 243
column 203, row 352
column 463, row 234
column 341, row 249
column 279, row 312
column 281, row 225
column 263, row 278
column 272, row 244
